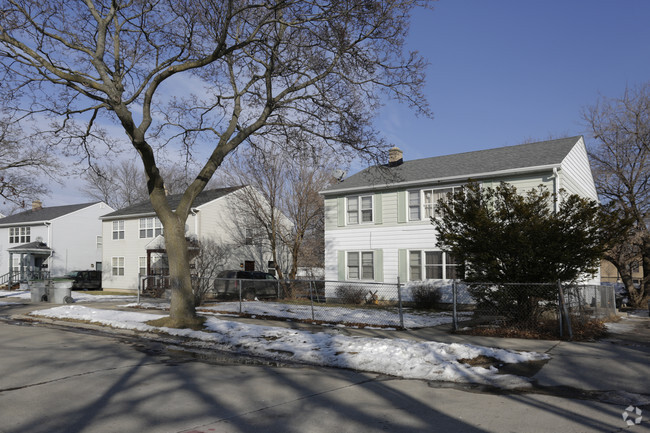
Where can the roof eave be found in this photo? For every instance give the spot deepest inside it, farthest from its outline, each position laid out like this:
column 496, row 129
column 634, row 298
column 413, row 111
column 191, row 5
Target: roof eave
column 447, row 179
column 26, row 223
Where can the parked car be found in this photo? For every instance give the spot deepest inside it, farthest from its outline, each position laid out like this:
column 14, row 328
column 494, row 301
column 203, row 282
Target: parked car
column 622, row 296
column 252, row 284
column 86, row 280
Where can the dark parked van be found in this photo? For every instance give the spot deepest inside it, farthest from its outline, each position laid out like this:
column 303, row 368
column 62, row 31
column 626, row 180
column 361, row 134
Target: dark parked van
column 86, row 280
column 253, row 285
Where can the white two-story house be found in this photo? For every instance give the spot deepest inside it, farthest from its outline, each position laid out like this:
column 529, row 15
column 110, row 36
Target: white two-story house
column 377, row 222
column 134, row 244
column 51, row 241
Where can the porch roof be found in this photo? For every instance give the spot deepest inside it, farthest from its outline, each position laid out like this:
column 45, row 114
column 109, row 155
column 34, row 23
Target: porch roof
column 31, row 248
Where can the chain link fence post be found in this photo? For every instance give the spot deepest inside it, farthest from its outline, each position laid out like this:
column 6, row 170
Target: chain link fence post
column 311, row 299
column 565, row 309
column 239, row 284
column 454, row 294
column 399, row 304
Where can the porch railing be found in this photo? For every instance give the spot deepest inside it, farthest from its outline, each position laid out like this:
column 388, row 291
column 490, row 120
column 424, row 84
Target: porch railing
column 13, row 277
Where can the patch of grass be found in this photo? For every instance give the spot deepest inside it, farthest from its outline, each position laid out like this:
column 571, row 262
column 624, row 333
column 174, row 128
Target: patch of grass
column 480, row 361
column 101, row 292
column 588, row 330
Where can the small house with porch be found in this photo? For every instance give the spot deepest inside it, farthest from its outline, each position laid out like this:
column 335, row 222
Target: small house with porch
column 50, row 241
column 134, row 252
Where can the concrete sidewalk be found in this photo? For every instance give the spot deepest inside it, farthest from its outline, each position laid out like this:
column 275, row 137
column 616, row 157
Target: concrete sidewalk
column 617, row 366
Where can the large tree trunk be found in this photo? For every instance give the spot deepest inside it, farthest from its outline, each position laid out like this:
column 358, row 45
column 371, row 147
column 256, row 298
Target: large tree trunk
column 182, row 310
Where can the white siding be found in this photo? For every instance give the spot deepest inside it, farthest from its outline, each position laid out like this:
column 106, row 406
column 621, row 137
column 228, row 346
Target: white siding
column 74, row 240
column 73, row 237
column 37, row 233
column 217, row 219
column 575, row 173
column 388, row 239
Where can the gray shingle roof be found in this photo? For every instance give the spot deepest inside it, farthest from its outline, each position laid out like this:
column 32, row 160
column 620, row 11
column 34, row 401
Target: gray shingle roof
column 43, row 214
column 146, row 207
column 466, row 164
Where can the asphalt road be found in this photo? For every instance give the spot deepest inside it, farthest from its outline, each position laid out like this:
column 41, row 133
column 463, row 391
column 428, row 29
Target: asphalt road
column 54, row 379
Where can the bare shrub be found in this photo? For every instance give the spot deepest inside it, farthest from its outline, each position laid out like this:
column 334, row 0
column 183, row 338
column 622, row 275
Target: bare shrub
column 351, row 294
column 426, row 297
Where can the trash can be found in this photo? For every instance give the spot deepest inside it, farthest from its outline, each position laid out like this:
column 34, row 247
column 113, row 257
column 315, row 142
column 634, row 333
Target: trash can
column 38, row 291
column 61, row 292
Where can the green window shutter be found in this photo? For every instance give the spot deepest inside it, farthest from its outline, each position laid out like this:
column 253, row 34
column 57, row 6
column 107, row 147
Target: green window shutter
column 379, row 265
column 378, row 208
column 340, row 210
column 402, row 265
column 341, row 265
column 401, row 206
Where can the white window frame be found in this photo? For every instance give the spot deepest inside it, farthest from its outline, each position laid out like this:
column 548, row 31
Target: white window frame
column 361, row 274
column 142, row 266
column 426, row 198
column 15, row 265
column 414, row 204
column 357, row 209
column 20, row 235
column 117, row 266
column 100, row 241
column 149, row 227
column 118, row 230
column 418, row 271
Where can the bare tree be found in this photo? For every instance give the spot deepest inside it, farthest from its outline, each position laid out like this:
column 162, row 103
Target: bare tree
column 119, row 185
column 284, row 202
column 621, row 161
column 212, row 257
column 210, row 74
column 123, row 184
column 23, row 166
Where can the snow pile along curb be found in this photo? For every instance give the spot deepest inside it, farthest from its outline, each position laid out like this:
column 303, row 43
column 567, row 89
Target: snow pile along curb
column 396, row 357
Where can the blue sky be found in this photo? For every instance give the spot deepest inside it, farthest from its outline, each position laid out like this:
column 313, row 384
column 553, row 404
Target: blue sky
column 506, row 71
column 503, row 72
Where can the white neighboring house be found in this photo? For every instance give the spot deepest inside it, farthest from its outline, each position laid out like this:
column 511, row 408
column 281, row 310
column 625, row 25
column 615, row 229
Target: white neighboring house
column 377, row 225
column 51, row 241
column 134, row 241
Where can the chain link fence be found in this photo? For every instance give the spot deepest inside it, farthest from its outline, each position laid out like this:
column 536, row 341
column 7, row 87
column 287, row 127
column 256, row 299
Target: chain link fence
column 415, row 304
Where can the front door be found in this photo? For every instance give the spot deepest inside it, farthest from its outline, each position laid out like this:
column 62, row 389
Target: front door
column 249, row 265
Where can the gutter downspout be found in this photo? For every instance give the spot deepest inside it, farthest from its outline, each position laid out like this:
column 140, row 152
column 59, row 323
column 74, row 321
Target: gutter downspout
column 556, row 190
column 50, row 259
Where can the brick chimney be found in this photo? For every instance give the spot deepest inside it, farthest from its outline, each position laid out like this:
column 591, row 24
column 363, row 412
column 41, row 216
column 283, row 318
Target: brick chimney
column 37, row 205
column 395, row 156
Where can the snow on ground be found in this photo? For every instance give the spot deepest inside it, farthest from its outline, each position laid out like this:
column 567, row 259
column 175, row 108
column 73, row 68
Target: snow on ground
column 333, row 314
column 77, row 296
column 397, row 357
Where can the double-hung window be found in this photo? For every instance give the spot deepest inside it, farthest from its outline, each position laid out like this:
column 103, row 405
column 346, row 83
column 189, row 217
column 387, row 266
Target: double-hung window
column 359, row 209
column 20, row 235
column 422, row 203
column 118, row 229
column 361, row 265
column 117, row 266
column 142, row 266
column 414, row 205
column 432, row 265
column 150, row 227
column 431, row 197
